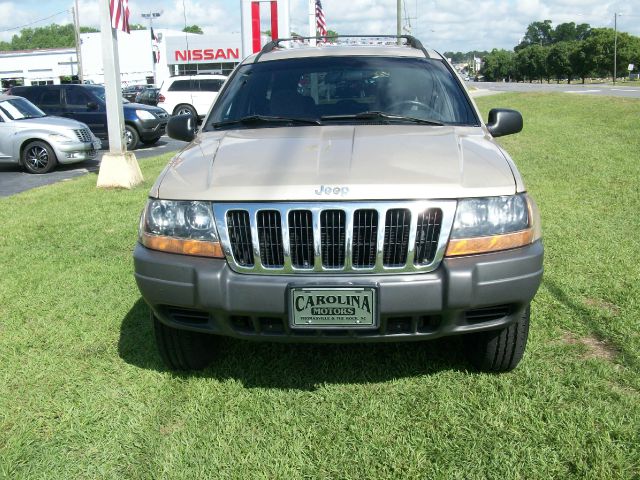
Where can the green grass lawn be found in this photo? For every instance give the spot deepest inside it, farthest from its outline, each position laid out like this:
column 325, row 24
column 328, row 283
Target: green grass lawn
column 83, row 393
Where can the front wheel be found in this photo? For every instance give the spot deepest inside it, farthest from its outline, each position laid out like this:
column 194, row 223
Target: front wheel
column 499, row 350
column 183, row 349
column 38, row 157
column 131, row 136
column 185, row 109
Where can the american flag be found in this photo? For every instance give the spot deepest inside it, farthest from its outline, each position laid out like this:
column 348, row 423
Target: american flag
column 119, row 14
column 321, row 25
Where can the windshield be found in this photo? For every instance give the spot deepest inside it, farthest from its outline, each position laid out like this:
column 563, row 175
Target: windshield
column 341, row 89
column 99, row 92
column 20, row 108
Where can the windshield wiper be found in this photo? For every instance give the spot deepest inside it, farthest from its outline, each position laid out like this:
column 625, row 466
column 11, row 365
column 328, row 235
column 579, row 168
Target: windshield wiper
column 266, row 119
column 377, row 115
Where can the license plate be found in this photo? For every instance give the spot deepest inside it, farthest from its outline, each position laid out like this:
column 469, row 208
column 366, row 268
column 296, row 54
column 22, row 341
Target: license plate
column 331, row 307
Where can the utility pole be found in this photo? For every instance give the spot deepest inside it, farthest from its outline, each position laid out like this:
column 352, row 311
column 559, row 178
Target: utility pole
column 76, row 30
column 615, row 46
column 151, row 16
column 399, row 21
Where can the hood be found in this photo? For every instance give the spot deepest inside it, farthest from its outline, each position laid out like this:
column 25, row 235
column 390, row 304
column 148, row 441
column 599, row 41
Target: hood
column 50, row 123
column 142, row 106
column 338, row 162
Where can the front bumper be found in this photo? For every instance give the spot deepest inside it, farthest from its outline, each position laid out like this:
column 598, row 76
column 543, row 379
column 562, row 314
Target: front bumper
column 75, row 151
column 150, row 129
column 463, row 295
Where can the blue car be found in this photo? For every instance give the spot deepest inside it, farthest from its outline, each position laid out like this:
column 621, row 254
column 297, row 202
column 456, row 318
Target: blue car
column 86, row 103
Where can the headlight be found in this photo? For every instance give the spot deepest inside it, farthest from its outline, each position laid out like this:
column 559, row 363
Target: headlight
column 57, row 137
column 185, row 227
column 145, row 115
column 491, row 224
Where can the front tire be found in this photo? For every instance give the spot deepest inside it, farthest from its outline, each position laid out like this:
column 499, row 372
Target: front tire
column 151, row 141
column 499, row 350
column 38, row 157
column 131, row 136
column 183, row 349
column 185, row 109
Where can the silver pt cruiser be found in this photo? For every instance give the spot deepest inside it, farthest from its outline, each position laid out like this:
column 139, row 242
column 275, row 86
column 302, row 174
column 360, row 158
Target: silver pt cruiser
column 37, row 142
column 341, row 193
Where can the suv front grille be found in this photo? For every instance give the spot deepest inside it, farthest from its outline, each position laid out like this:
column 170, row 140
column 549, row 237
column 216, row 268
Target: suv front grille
column 341, row 237
column 83, row 134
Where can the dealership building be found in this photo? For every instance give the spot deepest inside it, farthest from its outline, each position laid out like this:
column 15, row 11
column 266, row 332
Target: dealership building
column 178, row 53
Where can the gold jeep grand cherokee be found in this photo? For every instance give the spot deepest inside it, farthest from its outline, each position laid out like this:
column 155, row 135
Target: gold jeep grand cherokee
column 346, row 192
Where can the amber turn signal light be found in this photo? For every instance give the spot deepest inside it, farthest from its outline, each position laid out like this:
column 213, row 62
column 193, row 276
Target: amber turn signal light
column 494, row 243
column 182, row 246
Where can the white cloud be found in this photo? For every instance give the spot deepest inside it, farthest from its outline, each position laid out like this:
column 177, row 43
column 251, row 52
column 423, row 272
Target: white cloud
column 462, row 25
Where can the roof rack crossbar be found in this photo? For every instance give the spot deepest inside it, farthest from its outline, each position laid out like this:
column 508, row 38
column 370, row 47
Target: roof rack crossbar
column 412, row 41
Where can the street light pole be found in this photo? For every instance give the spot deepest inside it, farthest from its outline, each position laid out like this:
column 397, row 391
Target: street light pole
column 151, row 16
column 615, row 46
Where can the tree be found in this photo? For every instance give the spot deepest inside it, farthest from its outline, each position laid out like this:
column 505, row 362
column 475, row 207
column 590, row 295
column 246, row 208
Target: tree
column 538, row 33
column 137, row 26
column 498, row 65
column 194, row 29
column 49, row 36
column 558, row 63
column 580, row 65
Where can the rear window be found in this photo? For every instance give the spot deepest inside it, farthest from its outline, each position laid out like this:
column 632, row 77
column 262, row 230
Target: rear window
column 210, row 85
column 181, row 86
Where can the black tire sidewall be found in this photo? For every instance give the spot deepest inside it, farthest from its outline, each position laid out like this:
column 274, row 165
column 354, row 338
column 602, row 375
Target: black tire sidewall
column 135, row 138
column 53, row 161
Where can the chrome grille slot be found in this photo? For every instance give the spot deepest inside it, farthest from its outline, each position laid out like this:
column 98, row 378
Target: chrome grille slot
column 376, row 237
column 301, row 238
column 365, row 233
column 270, row 239
column 332, row 238
column 396, row 237
column 427, row 235
column 239, row 229
column 83, row 134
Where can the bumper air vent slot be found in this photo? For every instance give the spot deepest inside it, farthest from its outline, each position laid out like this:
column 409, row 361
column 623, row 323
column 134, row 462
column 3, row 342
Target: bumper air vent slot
column 487, row 314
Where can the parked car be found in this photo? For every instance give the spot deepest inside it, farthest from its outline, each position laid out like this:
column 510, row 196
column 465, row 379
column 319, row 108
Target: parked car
column 190, row 95
column 86, row 103
column 148, row 96
column 388, row 215
column 132, row 91
column 37, row 142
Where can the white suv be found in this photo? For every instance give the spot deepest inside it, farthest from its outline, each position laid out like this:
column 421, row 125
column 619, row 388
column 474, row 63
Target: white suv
column 185, row 94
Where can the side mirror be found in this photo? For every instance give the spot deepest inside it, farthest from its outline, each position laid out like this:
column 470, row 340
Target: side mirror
column 182, row 127
column 503, row 121
column 92, row 106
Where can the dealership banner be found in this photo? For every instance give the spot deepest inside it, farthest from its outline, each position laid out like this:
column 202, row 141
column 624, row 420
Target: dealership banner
column 203, row 49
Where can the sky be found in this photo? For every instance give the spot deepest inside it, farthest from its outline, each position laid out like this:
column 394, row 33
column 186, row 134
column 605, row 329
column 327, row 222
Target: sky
column 445, row 25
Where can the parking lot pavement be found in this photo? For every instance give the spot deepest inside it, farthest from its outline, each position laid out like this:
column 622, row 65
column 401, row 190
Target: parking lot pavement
column 619, row 90
column 15, row 180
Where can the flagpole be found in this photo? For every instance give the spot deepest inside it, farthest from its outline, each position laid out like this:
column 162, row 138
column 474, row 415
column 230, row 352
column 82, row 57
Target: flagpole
column 312, row 22
column 118, row 168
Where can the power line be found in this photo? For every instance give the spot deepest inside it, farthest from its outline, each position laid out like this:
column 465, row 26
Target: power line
column 35, row 21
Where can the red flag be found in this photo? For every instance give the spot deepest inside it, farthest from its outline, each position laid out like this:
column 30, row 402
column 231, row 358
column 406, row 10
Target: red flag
column 119, row 14
column 321, row 25
column 155, row 47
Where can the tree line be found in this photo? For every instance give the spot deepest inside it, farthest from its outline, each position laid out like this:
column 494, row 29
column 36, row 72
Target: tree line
column 60, row 36
column 565, row 52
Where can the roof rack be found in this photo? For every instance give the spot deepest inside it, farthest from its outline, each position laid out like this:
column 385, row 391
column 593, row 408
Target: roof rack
column 412, row 41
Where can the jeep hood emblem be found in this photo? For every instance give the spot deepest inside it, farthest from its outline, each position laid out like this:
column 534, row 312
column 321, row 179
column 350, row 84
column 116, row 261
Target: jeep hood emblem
column 332, row 190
